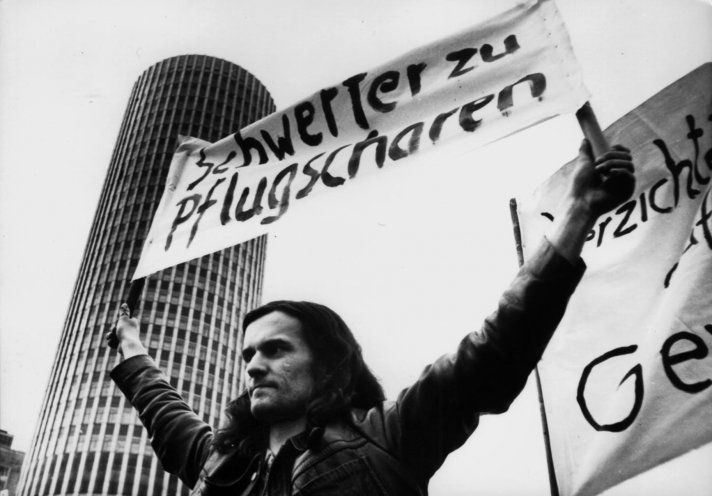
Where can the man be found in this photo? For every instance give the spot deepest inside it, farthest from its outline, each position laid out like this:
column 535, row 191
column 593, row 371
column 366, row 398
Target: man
column 313, row 420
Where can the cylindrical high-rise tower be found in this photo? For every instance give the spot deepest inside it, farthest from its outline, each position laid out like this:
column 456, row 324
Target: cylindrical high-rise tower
column 88, row 440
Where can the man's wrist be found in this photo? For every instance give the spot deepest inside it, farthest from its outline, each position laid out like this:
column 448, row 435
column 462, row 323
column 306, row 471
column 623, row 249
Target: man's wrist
column 572, row 223
column 131, row 347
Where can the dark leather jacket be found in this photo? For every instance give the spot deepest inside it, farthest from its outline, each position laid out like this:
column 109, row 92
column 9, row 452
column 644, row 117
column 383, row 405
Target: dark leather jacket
column 392, row 449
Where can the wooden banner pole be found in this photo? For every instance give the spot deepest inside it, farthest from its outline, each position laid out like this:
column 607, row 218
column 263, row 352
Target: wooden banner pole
column 132, row 299
column 135, row 290
column 553, row 486
column 621, row 185
column 599, row 146
column 592, row 130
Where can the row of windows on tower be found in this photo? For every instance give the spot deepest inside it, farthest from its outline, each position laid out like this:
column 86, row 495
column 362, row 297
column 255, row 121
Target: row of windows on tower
column 110, row 475
column 93, row 336
column 122, row 429
column 162, row 316
column 185, row 354
column 224, row 118
column 136, row 215
column 170, row 96
column 183, row 373
column 212, row 286
column 117, row 421
column 102, row 411
column 213, row 281
column 129, row 230
column 224, row 86
column 119, row 444
column 172, row 104
column 217, row 67
column 103, row 310
column 219, row 122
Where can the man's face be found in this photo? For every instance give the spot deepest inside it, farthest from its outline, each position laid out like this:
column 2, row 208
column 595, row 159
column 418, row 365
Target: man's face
column 279, row 365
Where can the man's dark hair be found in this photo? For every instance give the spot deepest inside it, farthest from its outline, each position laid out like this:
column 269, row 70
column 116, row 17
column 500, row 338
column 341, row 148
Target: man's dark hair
column 343, row 380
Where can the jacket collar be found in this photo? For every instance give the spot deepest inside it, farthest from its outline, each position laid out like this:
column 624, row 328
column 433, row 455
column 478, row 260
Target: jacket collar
column 308, row 439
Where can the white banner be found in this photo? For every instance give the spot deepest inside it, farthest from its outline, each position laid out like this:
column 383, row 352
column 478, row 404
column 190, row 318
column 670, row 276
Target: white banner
column 627, row 378
column 492, row 80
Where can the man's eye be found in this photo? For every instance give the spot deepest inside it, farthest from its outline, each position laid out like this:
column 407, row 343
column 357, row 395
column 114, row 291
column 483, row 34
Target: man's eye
column 247, row 355
column 271, row 349
column 275, row 349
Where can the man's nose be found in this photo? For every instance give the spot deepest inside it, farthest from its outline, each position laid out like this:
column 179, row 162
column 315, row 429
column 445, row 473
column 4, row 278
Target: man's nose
column 256, row 367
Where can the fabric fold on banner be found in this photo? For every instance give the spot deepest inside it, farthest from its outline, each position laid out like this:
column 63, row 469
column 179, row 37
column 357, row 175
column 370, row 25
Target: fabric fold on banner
column 627, row 378
column 485, row 83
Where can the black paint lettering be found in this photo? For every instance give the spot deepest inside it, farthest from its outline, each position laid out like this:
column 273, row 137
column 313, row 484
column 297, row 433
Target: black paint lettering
column 692, row 242
column 207, row 203
column 462, row 57
column 467, row 123
column 602, row 229
column 352, row 84
column 621, row 230
column 327, row 96
column 182, row 216
column 695, row 134
column 676, row 169
column 699, row 352
column 643, row 208
column 284, row 144
column 326, row 177
column 395, row 152
column 437, row 125
column 201, row 163
column 248, row 144
column 314, row 177
column 372, row 138
column 240, row 213
column 510, row 46
column 272, row 199
column 653, row 203
column 386, row 82
column 704, row 222
column 222, row 166
column 227, row 201
column 304, row 114
column 537, row 85
column 668, row 276
column 637, row 371
column 414, row 71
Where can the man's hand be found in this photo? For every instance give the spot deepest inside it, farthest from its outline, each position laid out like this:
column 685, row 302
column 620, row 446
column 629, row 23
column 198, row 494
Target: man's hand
column 597, row 186
column 126, row 334
column 601, row 185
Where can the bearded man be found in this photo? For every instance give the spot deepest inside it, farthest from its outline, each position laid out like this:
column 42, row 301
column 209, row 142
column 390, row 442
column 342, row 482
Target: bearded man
column 313, row 419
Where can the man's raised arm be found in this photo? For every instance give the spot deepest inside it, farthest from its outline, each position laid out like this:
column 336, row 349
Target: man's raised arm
column 179, row 437
column 490, row 367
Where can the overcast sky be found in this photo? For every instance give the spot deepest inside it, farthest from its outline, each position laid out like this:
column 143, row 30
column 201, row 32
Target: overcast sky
column 408, row 279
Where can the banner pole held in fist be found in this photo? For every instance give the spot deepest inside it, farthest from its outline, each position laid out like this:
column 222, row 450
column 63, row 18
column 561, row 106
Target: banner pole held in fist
column 135, row 290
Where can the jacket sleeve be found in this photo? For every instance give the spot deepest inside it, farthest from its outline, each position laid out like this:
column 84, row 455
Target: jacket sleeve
column 488, row 370
column 179, row 437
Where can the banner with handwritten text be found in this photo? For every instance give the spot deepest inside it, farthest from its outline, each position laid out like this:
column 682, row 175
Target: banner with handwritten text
column 627, row 378
column 492, row 80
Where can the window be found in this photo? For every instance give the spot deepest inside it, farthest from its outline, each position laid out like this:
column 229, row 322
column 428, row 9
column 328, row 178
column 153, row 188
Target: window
column 94, row 442
column 136, row 445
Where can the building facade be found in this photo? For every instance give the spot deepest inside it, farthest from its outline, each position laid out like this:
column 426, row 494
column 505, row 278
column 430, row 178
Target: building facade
column 88, row 440
column 10, row 464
